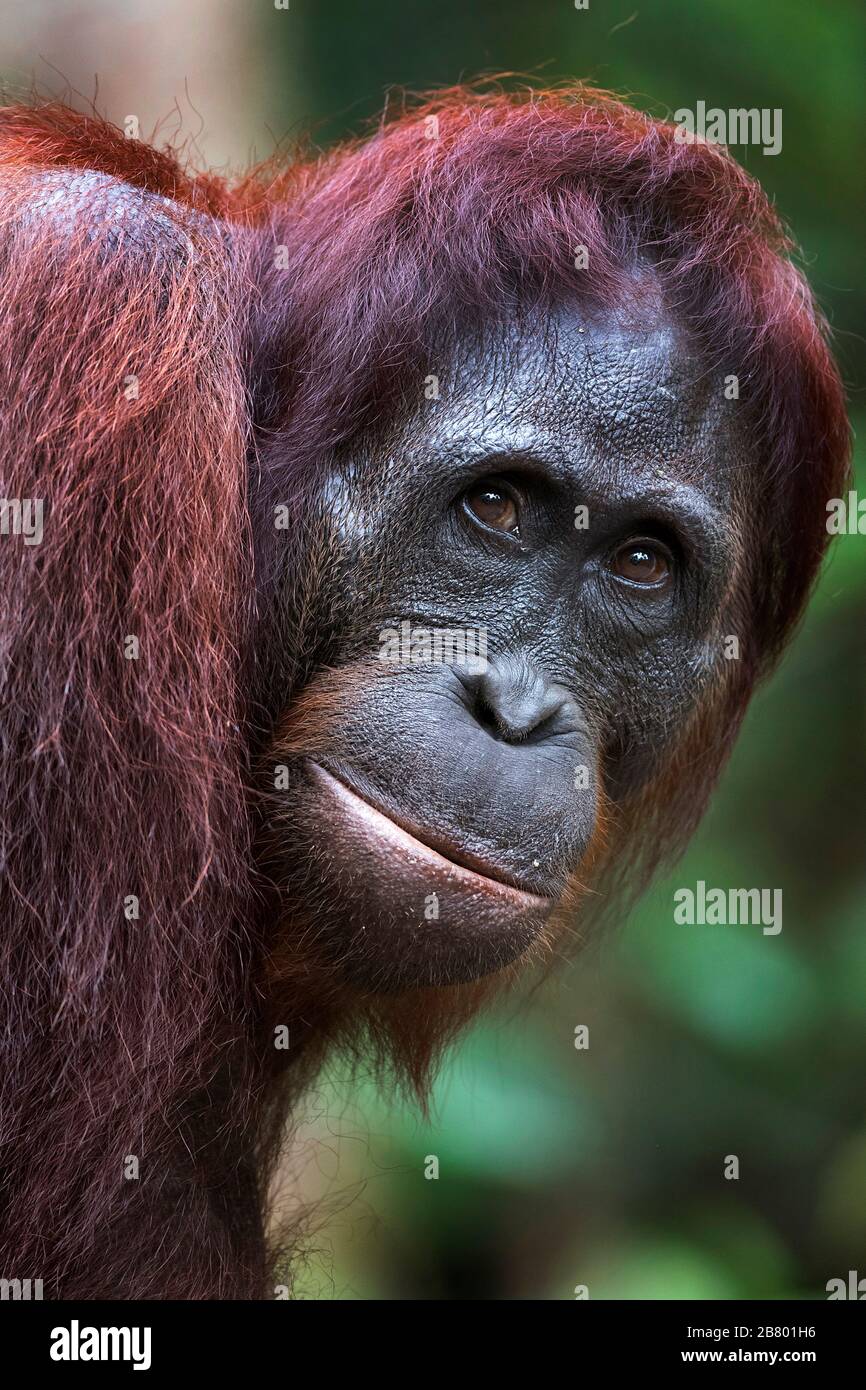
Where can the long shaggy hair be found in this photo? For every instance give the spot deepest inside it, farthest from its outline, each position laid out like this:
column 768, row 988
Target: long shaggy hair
column 178, row 355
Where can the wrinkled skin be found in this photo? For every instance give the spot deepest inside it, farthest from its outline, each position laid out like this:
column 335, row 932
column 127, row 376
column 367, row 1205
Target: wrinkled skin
column 438, row 815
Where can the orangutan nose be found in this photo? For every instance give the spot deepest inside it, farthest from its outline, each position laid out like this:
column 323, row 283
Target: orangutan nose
column 518, row 703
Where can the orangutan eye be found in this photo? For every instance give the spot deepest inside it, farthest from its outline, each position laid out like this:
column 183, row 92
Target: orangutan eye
column 642, row 562
column 492, row 503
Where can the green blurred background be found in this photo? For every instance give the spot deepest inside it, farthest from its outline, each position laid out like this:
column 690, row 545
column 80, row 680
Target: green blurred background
column 602, row 1167
column 605, row 1167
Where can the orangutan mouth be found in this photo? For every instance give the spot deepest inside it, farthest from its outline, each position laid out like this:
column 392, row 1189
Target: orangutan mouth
column 440, row 859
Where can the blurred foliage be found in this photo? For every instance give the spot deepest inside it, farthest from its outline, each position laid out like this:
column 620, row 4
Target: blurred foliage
column 605, row 1167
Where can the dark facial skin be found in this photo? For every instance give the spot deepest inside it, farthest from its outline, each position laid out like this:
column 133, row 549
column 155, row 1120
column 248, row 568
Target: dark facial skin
column 439, row 814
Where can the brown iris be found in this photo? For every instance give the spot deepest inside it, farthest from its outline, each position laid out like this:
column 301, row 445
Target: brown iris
column 492, row 504
column 642, row 562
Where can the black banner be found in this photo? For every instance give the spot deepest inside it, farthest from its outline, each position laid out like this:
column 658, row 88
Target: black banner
column 238, row 1339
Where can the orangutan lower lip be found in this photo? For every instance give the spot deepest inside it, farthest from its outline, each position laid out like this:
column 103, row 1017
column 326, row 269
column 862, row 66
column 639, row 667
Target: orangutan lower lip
column 404, row 840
